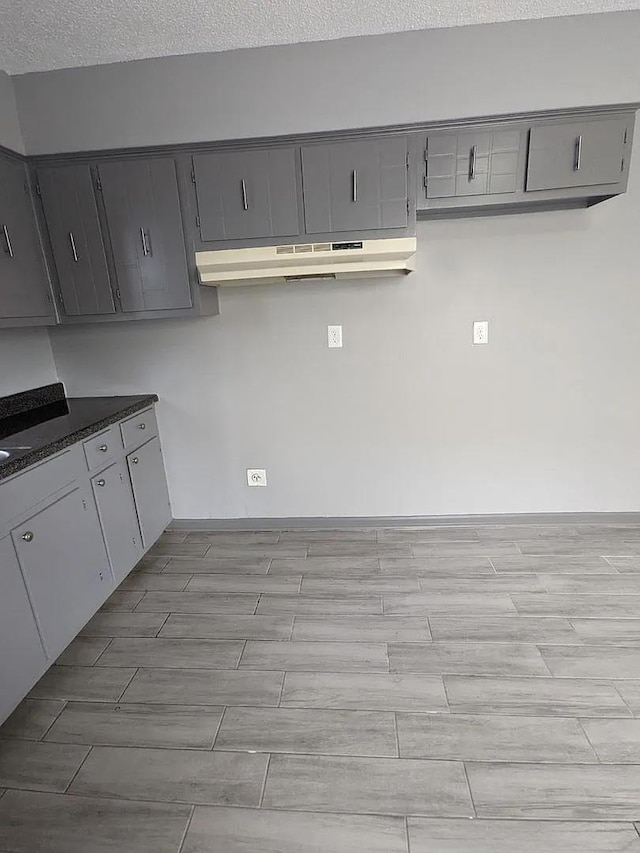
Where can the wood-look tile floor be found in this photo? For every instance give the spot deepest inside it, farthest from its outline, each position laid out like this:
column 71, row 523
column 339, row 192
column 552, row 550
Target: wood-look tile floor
column 432, row 690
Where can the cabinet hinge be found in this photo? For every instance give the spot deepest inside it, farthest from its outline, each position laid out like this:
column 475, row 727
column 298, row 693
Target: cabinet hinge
column 407, row 205
column 38, row 190
column 193, row 176
column 626, row 132
column 198, row 221
column 622, row 165
column 98, row 183
column 118, row 295
column 426, row 153
column 424, row 182
column 61, row 298
column 84, row 505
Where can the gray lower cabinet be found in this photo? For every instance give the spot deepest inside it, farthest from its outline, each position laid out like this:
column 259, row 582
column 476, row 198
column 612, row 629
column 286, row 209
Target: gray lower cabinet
column 71, row 212
column 149, row 483
column 472, row 163
column 144, row 222
column 247, row 194
column 24, row 285
column 355, row 186
column 22, row 657
column 64, row 563
column 112, row 492
column 577, row 154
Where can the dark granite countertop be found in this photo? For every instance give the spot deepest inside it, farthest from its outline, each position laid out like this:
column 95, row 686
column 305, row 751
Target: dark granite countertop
column 43, row 421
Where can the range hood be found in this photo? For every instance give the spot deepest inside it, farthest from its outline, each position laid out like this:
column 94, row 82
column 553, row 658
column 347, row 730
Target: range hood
column 264, row 264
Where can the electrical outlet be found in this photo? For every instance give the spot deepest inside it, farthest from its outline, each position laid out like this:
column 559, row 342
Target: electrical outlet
column 334, row 336
column 481, row 332
column 256, row 477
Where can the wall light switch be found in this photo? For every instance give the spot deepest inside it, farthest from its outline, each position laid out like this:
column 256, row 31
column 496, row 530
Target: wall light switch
column 481, row 332
column 334, row 336
column 256, row 477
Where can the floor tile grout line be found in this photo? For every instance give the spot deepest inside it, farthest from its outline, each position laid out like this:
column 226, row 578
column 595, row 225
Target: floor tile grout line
column 264, row 781
column 111, row 639
column 218, row 727
column 82, row 763
column 586, row 734
column 164, row 622
column 395, row 728
column 466, row 776
column 128, row 684
column 42, row 737
column 406, row 833
column 186, row 830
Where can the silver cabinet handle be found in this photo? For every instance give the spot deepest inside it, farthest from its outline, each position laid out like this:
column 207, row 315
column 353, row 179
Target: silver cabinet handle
column 103, row 448
column 74, row 251
column 142, row 426
column 135, row 460
column 146, row 250
column 101, row 483
column 28, row 536
column 7, row 240
column 245, row 203
column 354, row 185
column 472, row 163
column 577, row 162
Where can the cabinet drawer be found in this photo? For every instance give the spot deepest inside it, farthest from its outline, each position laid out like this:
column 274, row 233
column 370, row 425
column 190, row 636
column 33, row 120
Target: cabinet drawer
column 29, row 488
column 138, row 429
column 102, row 447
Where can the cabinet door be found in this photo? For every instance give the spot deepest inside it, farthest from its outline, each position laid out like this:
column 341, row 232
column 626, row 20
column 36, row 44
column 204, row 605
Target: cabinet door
column 355, row 186
column 22, row 658
column 474, row 163
column 112, row 491
column 24, row 285
column 74, row 229
column 580, row 154
column 64, row 564
column 146, row 469
column 145, row 227
column 247, row 194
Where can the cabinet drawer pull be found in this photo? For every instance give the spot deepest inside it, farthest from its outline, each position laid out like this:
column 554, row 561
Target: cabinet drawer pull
column 354, row 185
column 103, row 448
column 245, row 202
column 101, row 483
column 135, row 460
column 7, row 240
column 28, row 536
column 578, row 154
column 472, row 163
column 146, row 249
column 74, row 251
column 142, row 426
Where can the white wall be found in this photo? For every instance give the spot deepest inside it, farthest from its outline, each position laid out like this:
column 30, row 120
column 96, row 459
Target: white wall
column 408, row 418
column 10, row 134
column 26, row 360
column 408, row 77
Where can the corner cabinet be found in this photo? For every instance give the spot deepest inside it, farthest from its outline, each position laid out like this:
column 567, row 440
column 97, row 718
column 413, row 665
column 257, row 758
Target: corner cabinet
column 25, row 297
column 355, row 186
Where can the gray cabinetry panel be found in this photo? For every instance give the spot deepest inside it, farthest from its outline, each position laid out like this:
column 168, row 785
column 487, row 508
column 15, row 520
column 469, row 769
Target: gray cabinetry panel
column 146, row 470
column 472, row 163
column 71, row 213
column 24, row 285
column 355, row 186
column 22, row 658
column 112, row 491
column 62, row 555
column 247, row 194
column 145, row 228
column 577, row 154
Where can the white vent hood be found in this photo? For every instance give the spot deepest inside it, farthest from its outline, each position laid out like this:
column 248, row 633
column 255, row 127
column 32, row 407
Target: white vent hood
column 352, row 259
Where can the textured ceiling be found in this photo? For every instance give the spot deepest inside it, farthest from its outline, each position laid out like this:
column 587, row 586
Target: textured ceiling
column 40, row 35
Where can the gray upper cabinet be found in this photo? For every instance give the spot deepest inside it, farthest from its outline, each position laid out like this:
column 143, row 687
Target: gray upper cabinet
column 355, row 186
column 144, row 222
column 24, row 285
column 22, row 658
column 577, row 154
column 73, row 223
column 471, row 163
column 146, row 469
column 245, row 195
column 62, row 556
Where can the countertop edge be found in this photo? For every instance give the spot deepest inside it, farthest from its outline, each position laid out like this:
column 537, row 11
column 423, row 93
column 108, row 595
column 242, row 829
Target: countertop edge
column 39, row 454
